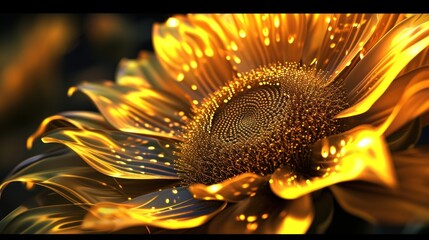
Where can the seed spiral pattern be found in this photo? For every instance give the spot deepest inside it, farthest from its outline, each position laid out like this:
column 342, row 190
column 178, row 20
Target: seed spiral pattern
column 261, row 120
column 247, row 115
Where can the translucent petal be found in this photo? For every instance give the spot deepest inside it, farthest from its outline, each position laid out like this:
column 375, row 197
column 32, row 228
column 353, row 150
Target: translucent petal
column 119, row 154
column 190, row 51
column 254, row 40
column 231, row 190
column 340, row 40
column 173, row 208
column 406, row 204
column 422, row 59
column 358, row 154
column 413, row 102
column 405, row 137
column 66, row 174
column 373, row 75
column 383, row 107
column 385, row 22
column 265, row 213
column 137, row 110
column 78, row 119
column 53, row 219
column 146, row 72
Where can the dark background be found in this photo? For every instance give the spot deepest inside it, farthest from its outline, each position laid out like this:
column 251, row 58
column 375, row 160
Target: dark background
column 42, row 55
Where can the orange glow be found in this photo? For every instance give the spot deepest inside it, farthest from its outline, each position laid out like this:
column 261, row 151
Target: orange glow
column 120, row 168
column 388, row 58
column 100, row 150
column 231, row 190
column 363, row 156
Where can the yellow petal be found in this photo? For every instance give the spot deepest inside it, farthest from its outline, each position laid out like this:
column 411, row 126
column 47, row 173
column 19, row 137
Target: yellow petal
column 383, row 107
column 66, row 174
column 146, row 72
column 78, row 119
column 231, row 190
column 422, row 59
column 385, row 22
column 254, row 40
column 173, row 208
column 265, row 213
column 138, row 110
column 373, row 75
column 191, row 52
column 118, row 154
column 340, row 40
column 358, row 154
column 406, row 204
column 413, row 102
column 53, row 219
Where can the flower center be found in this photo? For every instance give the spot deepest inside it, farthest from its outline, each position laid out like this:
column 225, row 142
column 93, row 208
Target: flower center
column 263, row 119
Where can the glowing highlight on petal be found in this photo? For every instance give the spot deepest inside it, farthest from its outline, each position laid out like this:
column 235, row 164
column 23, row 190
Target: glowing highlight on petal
column 78, row 119
column 180, row 211
column 101, row 150
column 392, row 206
column 137, row 110
column 183, row 45
column 364, row 156
column 373, row 75
column 413, row 102
column 265, row 213
column 54, row 219
column 232, row 190
column 146, row 72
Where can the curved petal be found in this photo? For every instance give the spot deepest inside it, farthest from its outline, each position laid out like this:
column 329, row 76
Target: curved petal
column 66, row 174
column 358, row 154
column 413, row 103
column 383, row 107
column 231, row 190
column 418, row 61
column 340, row 40
column 53, row 219
column 118, row 154
column 385, row 22
column 408, row 203
column 173, row 208
column 406, row 137
column 146, row 72
column 78, row 119
column 374, row 73
column 137, row 110
column 255, row 40
column 265, row 213
column 192, row 54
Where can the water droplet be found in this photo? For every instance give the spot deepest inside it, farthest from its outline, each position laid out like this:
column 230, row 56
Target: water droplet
column 333, row 150
column 180, row 77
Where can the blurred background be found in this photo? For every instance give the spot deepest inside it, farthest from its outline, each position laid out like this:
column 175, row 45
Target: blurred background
column 42, row 55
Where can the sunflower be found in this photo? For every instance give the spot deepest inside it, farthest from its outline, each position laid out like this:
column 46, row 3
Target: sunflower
column 243, row 123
